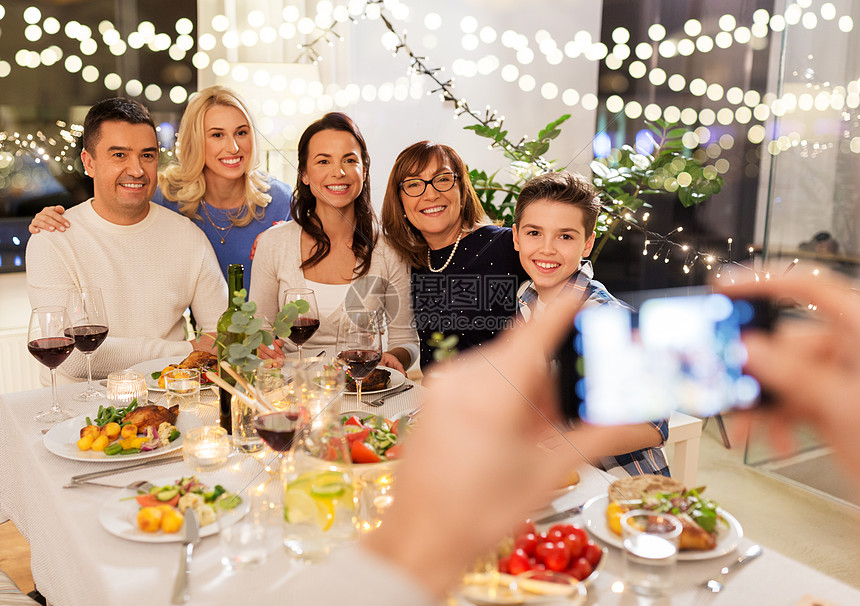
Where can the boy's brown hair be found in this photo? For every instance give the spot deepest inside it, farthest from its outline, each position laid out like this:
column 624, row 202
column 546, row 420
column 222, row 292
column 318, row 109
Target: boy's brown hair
column 562, row 186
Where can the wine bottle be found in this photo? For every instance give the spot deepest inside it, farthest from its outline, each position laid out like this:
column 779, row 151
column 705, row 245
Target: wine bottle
column 235, row 283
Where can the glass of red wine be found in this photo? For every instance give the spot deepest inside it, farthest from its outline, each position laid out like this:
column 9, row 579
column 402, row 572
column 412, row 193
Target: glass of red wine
column 86, row 309
column 359, row 344
column 307, row 323
column 48, row 341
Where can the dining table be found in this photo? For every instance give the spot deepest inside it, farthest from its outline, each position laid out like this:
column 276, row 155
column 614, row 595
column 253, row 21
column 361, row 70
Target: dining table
column 75, row 561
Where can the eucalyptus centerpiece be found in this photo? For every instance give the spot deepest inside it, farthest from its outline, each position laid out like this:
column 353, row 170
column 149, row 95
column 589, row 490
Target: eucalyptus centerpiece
column 242, row 355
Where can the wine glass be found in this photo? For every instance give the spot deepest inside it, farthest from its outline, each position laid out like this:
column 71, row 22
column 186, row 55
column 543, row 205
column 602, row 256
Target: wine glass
column 86, row 309
column 305, row 324
column 359, row 344
column 49, row 341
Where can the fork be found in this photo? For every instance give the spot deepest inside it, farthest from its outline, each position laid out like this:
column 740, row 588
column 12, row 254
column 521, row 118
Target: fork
column 379, row 401
column 715, row 586
column 141, row 486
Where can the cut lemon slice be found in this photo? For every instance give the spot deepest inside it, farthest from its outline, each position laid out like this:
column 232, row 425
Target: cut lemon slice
column 299, row 507
column 325, row 509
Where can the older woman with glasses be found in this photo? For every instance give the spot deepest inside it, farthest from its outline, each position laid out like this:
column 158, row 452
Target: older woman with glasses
column 465, row 271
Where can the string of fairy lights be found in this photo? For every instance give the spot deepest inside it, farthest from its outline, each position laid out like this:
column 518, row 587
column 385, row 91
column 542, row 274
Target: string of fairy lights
column 741, row 106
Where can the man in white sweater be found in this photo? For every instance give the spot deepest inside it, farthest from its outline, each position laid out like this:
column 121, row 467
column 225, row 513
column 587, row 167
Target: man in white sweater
column 151, row 263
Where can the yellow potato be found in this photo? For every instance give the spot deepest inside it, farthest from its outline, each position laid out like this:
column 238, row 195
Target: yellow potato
column 171, row 520
column 129, row 431
column 165, row 370
column 85, row 443
column 111, row 430
column 149, row 519
column 100, row 443
column 91, row 430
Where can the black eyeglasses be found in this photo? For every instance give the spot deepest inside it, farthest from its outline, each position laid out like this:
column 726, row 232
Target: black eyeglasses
column 441, row 183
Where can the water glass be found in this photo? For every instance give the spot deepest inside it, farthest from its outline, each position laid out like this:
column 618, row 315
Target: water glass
column 206, row 448
column 245, row 436
column 183, row 389
column 375, row 498
column 123, row 386
column 244, row 543
column 651, row 542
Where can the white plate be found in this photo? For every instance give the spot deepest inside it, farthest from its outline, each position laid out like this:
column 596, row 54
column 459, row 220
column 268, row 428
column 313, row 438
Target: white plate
column 120, row 517
column 157, row 365
column 62, row 440
column 728, row 535
column 396, row 380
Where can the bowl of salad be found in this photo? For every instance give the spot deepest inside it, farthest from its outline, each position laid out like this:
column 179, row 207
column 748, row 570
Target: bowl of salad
column 374, row 441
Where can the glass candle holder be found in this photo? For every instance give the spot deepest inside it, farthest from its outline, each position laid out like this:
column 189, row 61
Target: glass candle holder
column 123, row 386
column 206, row 448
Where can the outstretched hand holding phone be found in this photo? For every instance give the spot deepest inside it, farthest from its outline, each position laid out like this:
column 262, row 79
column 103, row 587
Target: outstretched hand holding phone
column 812, row 368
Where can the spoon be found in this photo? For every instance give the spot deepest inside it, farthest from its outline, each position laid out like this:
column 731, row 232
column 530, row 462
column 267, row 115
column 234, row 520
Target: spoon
column 716, row 586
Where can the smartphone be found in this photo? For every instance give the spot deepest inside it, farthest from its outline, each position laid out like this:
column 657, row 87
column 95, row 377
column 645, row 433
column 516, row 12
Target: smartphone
column 683, row 353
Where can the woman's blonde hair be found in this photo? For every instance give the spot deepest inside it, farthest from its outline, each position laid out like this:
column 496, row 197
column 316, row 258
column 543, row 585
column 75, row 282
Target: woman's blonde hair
column 183, row 180
column 404, row 237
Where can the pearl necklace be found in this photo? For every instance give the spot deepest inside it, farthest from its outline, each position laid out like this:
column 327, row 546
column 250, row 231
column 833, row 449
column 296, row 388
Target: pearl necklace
column 450, row 257
column 224, row 230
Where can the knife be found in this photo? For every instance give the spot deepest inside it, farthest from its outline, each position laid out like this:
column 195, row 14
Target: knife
column 109, row 472
column 181, row 594
column 559, row 515
column 378, row 401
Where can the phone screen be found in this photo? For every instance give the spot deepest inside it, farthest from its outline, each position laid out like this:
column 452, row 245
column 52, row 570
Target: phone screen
column 675, row 353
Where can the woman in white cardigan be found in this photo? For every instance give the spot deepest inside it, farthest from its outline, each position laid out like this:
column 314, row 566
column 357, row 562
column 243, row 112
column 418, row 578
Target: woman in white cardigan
column 333, row 246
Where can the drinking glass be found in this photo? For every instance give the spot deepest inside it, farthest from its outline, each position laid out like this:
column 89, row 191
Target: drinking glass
column 244, row 542
column 87, row 313
column 183, row 389
column 305, row 324
column 206, row 448
column 359, row 344
column 49, row 343
column 375, row 497
column 651, row 542
column 320, row 504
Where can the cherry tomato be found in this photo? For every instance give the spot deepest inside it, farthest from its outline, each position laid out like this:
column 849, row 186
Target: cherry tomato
column 357, row 436
column 554, row 555
column 527, row 543
column 542, row 537
column 562, row 528
column 504, row 564
column 580, row 569
column 362, row 454
column 354, row 420
column 518, row 562
column 592, row 553
column 394, row 453
column 579, row 531
column 575, row 543
column 555, row 535
column 525, row 527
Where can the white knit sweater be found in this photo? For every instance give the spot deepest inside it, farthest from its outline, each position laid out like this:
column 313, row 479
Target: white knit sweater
column 149, row 273
column 386, row 285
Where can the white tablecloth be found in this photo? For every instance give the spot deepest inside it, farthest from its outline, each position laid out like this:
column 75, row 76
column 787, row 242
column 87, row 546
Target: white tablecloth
column 76, row 562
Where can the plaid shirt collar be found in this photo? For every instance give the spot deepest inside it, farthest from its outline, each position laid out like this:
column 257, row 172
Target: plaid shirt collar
column 579, row 282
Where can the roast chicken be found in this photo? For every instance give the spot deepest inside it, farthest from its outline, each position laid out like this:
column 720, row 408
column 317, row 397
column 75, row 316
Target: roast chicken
column 151, row 416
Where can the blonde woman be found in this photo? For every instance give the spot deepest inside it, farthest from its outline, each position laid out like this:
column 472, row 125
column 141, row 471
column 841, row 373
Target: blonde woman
column 215, row 181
